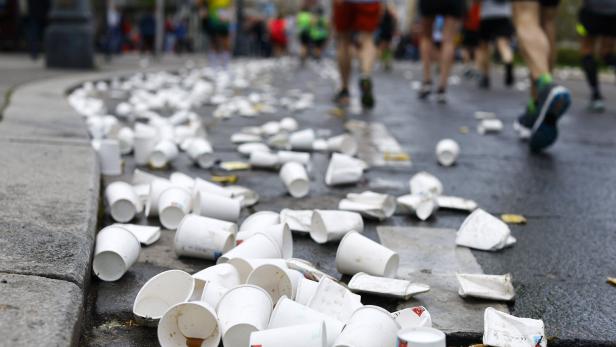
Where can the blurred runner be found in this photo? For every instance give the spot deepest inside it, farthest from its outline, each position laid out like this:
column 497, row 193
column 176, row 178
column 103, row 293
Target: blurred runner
column 548, row 101
column 385, row 35
column 597, row 25
column 219, row 16
column 319, row 32
column 360, row 17
column 303, row 20
column 278, row 35
column 495, row 27
column 452, row 11
column 470, row 39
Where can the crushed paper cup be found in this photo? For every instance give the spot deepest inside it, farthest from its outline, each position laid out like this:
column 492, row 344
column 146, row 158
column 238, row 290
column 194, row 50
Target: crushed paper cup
column 248, row 148
column 173, row 205
column 298, row 157
column 343, row 169
column 189, row 324
column 503, row 330
column 145, row 234
column 305, row 291
column 456, row 203
column 484, row 232
column 297, row 220
column 421, row 337
column 224, row 275
column 205, row 187
column 305, row 335
column 413, row 317
column 240, row 138
column 203, row 237
column 241, row 311
column 481, row 115
column 327, row 226
column 369, row 326
column 216, row 206
column 115, row 251
column 487, row 126
column 295, row 178
column 425, row 183
column 302, row 139
column 447, row 152
column 334, row 300
column 357, row 253
column 123, row 201
column 344, row 144
column 163, row 153
column 160, row 293
column 260, row 220
column 157, row 187
column 266, row 160
column 422, row 205
column 258, row 246
column 490, row 287
column 109, row 157
column 370, row 204
column 388, row 287
column 275, row 279
column 247, row 197
column 289, row 313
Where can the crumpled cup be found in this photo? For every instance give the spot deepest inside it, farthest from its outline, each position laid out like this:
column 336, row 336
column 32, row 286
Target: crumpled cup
column 422, row 205
column 491, row 287
column 484, row 232
column 501, row 329
column 370, row 204
column 425, row 183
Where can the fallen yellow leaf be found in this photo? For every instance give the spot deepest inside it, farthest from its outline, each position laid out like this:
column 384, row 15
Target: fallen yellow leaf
column 225, row 179
column 464, row 130
column 388, row 156
column 513, row 219
column 612, row 281
column 337, row 112
column 234, row 165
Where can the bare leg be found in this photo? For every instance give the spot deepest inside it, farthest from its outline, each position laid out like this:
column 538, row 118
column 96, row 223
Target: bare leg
column 483, row 58
column 548, row 22
column 426, row 47
column 343, row 43
column 504, row 49
column 450, row 29
column 367, row 53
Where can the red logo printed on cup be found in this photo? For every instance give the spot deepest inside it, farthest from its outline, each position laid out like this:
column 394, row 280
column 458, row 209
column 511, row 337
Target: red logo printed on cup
column 418, row 310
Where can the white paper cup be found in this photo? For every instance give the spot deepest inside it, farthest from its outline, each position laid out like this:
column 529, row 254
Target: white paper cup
column 480, row 230
column 122, row 201
column 306, row 335
column 295, row 178
column 490, row 126
column 109, row 157
column 447, row 152
column 164, row 152
column 248, row 148
column 288, row 313
column 305, row 291
column 332, row 225
column 182, row 180
column 205, row 238
column 260, row 220
column 161, row 292
column 224, row 275
column 141, row 177
column 144, row 142
column 265, row 160
column 302, row 139
column 204, row 186
column 413, row 317
column 344, row 143
column 334, row 300
column 116, row 250
column 369, row 326
column 425, row 183
column 343, row 169
column 186, row 323
column 201, row 152
column 216, row 206
column 259, row 246
column 145, row 234
column 126, row 140
column 157, row 187
column 298, row 220
column 283, row 237
column 276, row 280
column 421, row 337
column 173, row 205
column 297, row 157
column 288, row 124
column 357, row 253
column 213, row 293
column 422, row 205
column 245, row 266
column 241, row 311
column 270, row 128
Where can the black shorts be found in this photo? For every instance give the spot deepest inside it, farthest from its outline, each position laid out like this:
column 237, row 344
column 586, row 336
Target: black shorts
column 598, row 25
column 304, row 37
column 447, row 8
column 470, row 38
column 492, row 28
column 318, row 43
column 544, row 3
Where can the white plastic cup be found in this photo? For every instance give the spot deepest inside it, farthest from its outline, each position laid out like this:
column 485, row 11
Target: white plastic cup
column 305, row 291
column 216, row 206
column 302, row 139
column 202, row 237
column 188, row 324
column 116, row 250
column 201, row 152
column 343, row 169
column 369, row 326
column 289, row 313
column 357, row 253
column 161, row 292
column 332, row 225
column 260, row 220
column 295, row 178
column 122, row 201
column 275, row 279
column 241, row 311
column 306, row 335
column 126, row 140
column 259, row 246
column 109, row 157
column 173, row 205
column 421, row 337
column 145, row 140
column 157, row 187
column 224, row 275
column 266, row 160
column 344, row 143
column 204, row 186
column 298, row 157
column 164, row 152
column 245, row 266
column 447, row 152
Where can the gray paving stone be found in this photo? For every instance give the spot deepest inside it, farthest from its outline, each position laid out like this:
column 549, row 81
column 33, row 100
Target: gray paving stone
column 37, row 311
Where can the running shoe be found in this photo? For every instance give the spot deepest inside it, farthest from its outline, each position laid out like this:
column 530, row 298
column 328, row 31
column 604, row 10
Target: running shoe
column 484, row 82
column 342, row 98
column 367, row 98
column 596, row 105
column 441, row 96
column 425, row 90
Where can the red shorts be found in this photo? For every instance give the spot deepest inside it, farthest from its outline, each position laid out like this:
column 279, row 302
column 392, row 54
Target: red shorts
column 357, row 17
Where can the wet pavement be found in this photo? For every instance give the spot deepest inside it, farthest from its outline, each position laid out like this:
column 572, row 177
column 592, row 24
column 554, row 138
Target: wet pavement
column 564, row 253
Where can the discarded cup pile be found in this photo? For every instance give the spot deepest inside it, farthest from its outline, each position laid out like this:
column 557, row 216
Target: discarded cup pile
column 258, row 294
